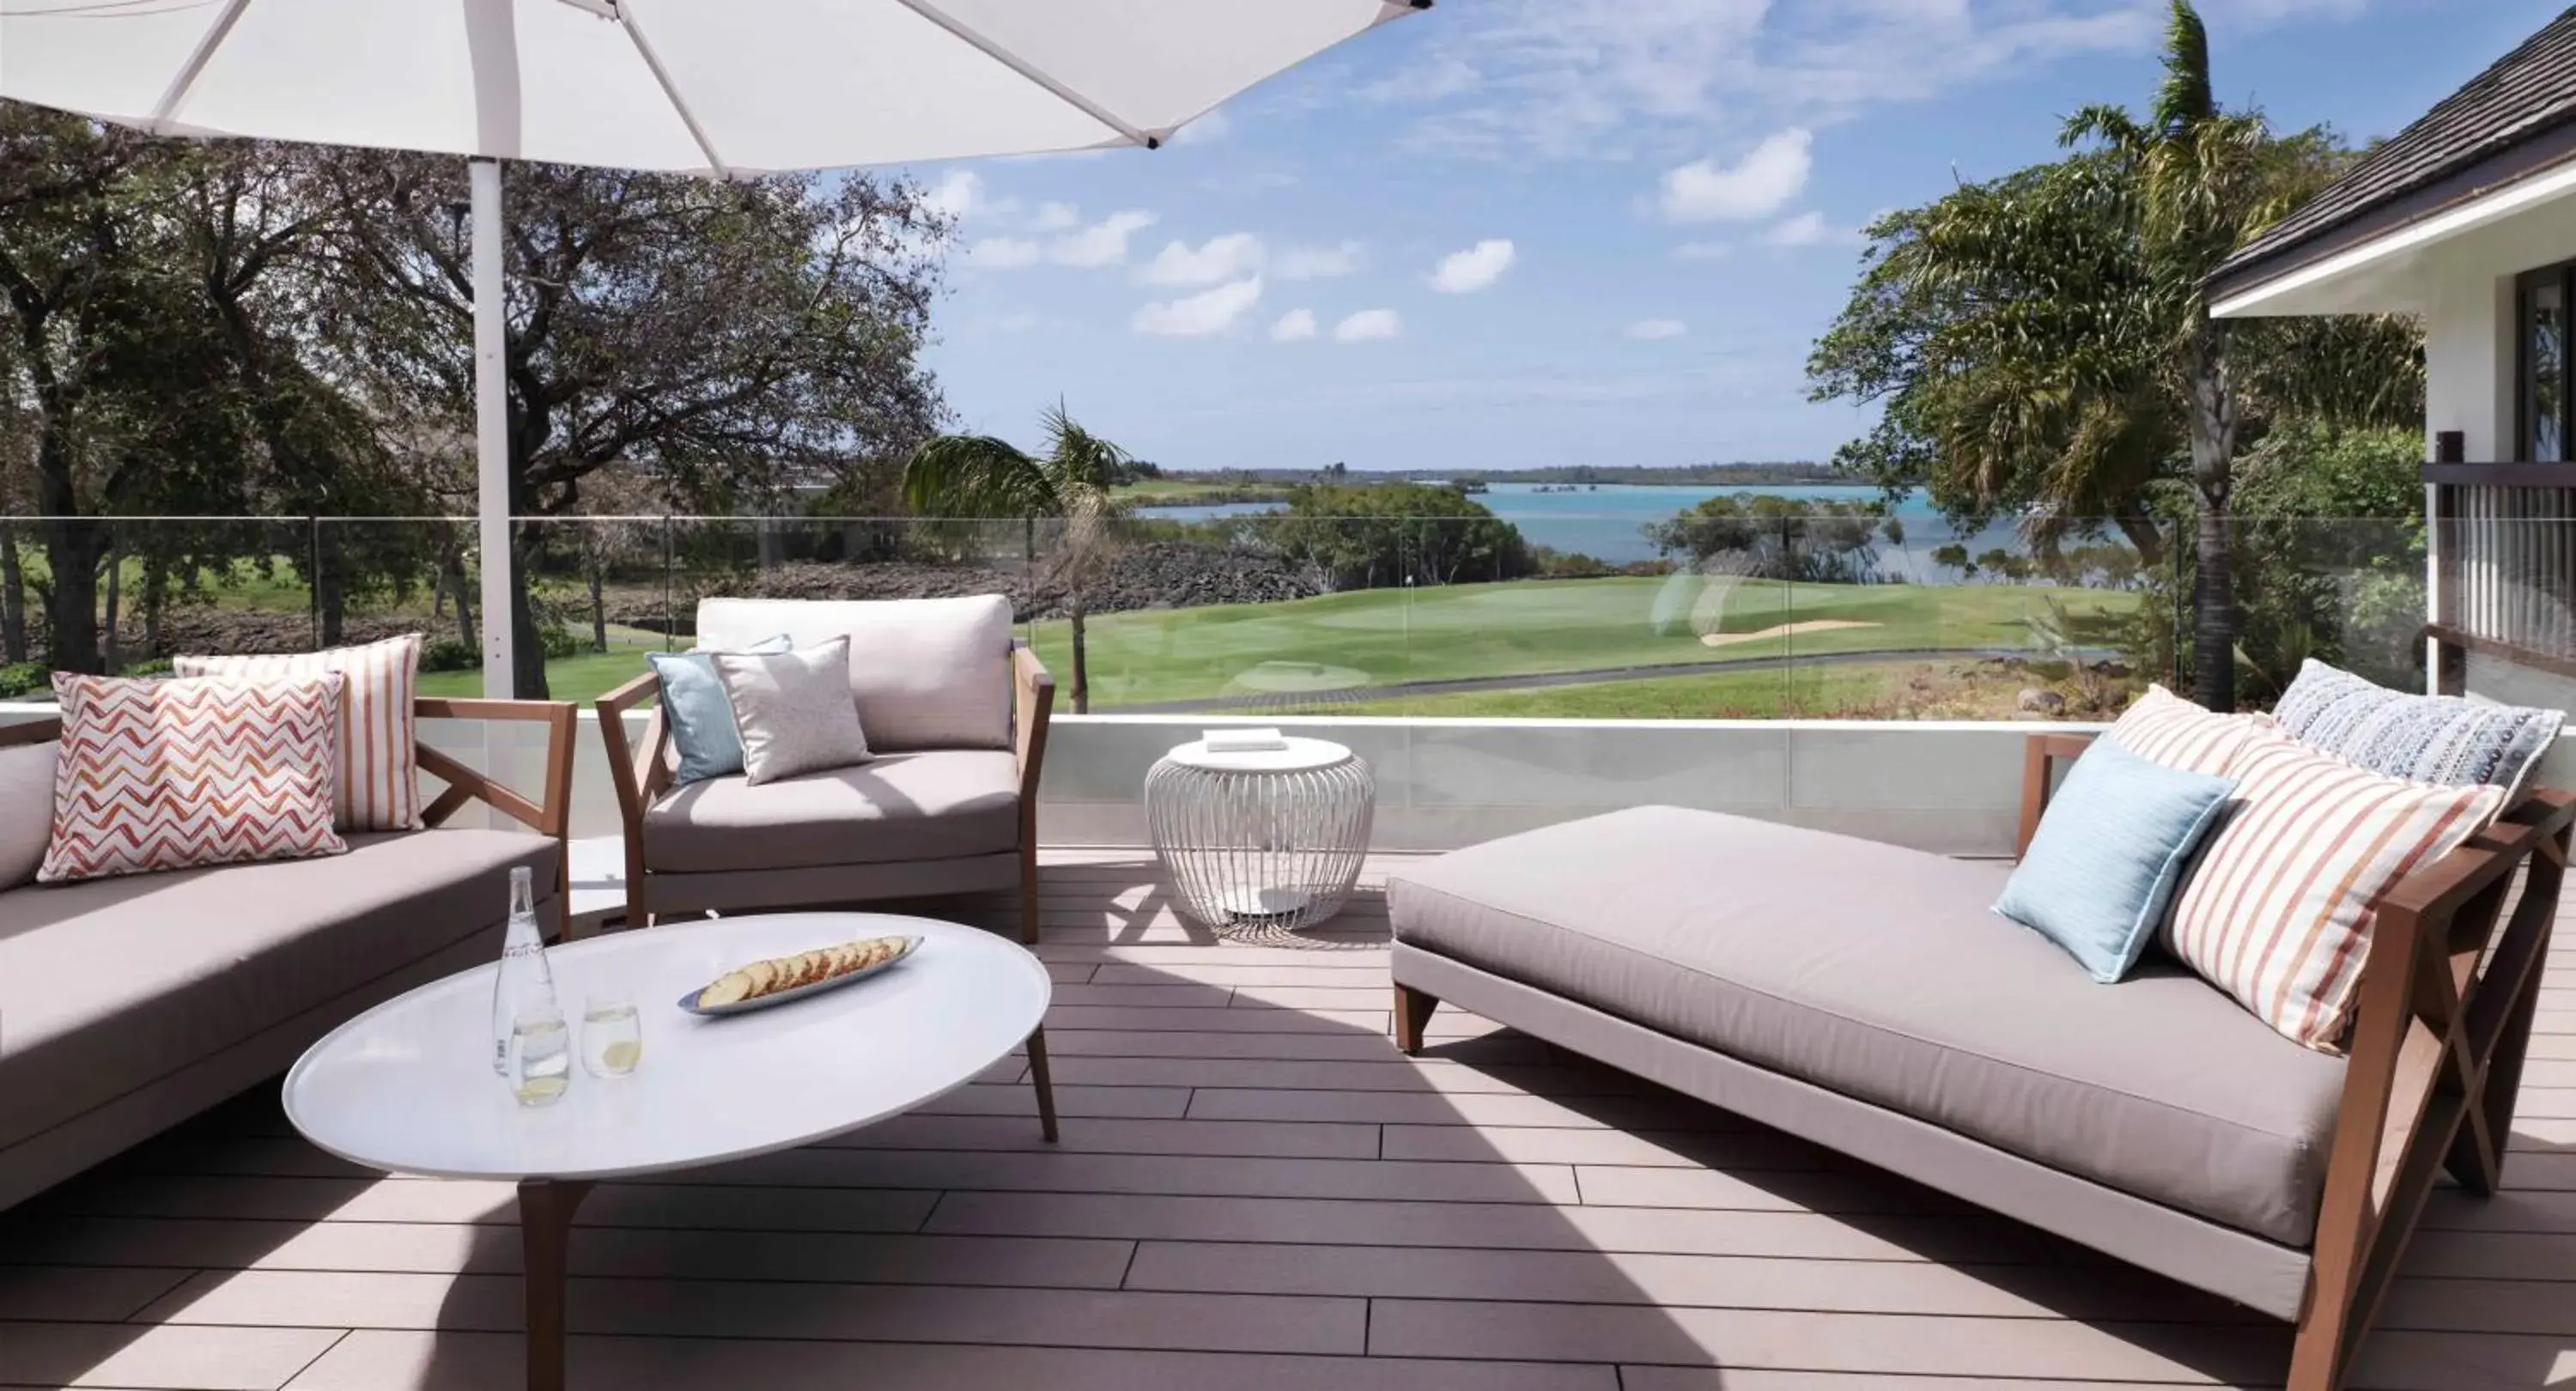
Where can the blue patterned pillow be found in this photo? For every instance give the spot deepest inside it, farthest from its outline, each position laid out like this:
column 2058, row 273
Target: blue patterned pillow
column 2443, row 740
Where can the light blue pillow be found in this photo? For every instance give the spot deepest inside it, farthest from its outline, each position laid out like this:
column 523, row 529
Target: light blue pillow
column 695, row 707
column 2110, row 852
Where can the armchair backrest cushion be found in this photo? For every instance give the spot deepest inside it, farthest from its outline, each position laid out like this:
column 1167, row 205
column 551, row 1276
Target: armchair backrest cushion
column 926, row 673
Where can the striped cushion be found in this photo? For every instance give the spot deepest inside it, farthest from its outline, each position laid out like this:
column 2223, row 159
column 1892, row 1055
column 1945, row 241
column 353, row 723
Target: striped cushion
column 175, row 774
column 2165, row 729
column 2279, row 910
column 376, row 783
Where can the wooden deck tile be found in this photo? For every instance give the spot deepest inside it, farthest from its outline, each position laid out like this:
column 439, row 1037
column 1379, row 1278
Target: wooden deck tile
column 1254, row 1191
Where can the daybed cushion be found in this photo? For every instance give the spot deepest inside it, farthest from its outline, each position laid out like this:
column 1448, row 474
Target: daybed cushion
column 1879, row 973
column 927, row 673
column 940, row 805
column 109, row 984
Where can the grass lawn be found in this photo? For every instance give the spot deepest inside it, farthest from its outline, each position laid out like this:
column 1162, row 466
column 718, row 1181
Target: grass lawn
column 1778, row 694
column 582, row 677
column 1528, row 627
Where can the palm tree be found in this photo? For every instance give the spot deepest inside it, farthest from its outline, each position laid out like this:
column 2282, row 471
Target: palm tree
column 2207, row 179
column 2041, row 344
column 981, row 476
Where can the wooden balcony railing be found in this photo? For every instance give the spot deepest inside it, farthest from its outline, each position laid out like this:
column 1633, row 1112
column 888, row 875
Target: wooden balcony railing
column 2504, row 562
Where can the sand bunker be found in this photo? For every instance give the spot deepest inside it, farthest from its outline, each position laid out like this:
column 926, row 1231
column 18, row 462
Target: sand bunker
column 1785, row 630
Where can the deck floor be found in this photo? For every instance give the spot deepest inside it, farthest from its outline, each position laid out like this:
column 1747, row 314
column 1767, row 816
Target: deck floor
column 1255, row 1192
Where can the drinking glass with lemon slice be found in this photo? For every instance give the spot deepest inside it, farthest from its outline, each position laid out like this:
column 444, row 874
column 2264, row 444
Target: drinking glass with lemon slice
column 612, row 1035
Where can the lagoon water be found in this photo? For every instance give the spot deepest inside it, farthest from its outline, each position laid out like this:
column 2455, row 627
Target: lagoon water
column 1606, row 522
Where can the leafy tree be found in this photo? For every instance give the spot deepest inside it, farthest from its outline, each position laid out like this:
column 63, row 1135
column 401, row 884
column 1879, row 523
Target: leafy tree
column 982, row 476
column 2042, row 346
column 730, row 340
column 1368, row 536
column 1771, row 537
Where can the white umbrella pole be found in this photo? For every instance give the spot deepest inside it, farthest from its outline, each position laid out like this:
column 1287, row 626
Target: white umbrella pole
column 492, row 428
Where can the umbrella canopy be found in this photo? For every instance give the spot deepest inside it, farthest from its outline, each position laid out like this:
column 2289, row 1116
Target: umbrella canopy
column 706, row 86
column 717, row 87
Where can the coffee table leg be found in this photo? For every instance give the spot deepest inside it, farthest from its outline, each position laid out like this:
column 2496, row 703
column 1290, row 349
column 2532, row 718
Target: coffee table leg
column 1046, row 1085
column 545, row 1230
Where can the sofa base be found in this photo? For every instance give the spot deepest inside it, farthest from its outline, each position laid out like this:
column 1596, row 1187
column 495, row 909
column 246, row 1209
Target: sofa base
column 757, row 890
column 2259, row 1274
column 49, row 1157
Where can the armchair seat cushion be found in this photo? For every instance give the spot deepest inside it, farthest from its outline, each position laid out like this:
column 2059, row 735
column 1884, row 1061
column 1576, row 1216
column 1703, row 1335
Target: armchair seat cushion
column 942, row 804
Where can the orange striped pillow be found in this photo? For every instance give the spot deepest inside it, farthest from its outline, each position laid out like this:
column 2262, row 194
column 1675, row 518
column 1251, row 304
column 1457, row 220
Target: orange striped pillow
column 376, row 775
column 2167, row 730
column 2279, row 910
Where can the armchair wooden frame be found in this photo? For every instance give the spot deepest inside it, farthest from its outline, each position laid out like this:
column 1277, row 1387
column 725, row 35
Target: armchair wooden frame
column 2445, row 1008
column 641, row 771
column 548, row 814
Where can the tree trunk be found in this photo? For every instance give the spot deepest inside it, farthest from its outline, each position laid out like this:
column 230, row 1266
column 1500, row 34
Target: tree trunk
column 527, row 652
column 13, row 596
column 451, row 580
column 72, row 547
column 156, row 600
column 2213, row 454
column 114, row 657
column 598, row 606
column 1081, row 655
column 330, row 584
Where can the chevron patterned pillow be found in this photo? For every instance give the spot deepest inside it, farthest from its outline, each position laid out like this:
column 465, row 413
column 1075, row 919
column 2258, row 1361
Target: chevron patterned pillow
column 192, row 771
column 378, row 766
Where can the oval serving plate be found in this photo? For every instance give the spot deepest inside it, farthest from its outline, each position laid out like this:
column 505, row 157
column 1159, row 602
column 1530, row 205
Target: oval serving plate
column 689, row 1001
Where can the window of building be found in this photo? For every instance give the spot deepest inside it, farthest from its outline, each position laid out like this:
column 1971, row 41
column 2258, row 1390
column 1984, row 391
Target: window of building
column 2542, row 373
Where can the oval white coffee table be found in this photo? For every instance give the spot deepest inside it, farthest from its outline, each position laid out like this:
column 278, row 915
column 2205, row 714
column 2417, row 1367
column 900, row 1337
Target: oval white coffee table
column 408, row 1086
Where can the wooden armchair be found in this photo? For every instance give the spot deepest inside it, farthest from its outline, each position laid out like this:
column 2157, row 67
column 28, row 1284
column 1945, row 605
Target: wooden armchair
column 850, row 835
column 2445, row 1012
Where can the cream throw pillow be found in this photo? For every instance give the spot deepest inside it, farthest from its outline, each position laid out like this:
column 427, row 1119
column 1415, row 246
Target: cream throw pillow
column 793, row 710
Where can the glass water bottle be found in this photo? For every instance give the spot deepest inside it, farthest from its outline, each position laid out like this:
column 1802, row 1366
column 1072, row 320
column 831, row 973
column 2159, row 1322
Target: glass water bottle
column 525, row 985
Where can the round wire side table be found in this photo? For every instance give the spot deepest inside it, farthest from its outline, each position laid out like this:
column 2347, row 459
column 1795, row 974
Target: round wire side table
column 1270, row 839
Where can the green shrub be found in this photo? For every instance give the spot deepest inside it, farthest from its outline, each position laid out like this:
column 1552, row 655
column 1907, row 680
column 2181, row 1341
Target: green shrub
column 24, row 678
column 449, row 654
column 559, row 642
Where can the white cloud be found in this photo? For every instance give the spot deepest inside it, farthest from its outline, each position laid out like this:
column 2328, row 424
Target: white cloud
column 1656, row 328
column 1003, row 253
column 1295, row 326
column 1209, row 127
column 1238, row 254
column 1316, row 262
column 958, row 194
column 1054, row 217
column 1228, row 257
column 1625, row 79
column 1806, row 229
column 1104, row 243
column 1476, row 268
column 1369, row 325
column 1202, row 314
column 1702, row 251
column 1754, row 187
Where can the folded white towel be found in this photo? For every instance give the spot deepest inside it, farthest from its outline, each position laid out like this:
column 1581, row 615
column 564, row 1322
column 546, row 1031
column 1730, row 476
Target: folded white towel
column 1243, row 740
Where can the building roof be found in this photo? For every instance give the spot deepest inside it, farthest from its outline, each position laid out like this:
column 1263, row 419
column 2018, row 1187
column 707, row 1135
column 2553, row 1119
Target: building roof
column 2493, row 131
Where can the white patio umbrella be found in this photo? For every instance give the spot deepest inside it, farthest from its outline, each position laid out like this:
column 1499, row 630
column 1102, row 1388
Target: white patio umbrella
column 716, row 87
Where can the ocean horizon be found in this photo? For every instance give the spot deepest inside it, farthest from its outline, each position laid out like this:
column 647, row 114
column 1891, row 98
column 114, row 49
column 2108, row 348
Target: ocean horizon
column 1606, row 520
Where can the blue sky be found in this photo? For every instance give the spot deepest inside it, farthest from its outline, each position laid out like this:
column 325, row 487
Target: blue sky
column 1520, row 233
